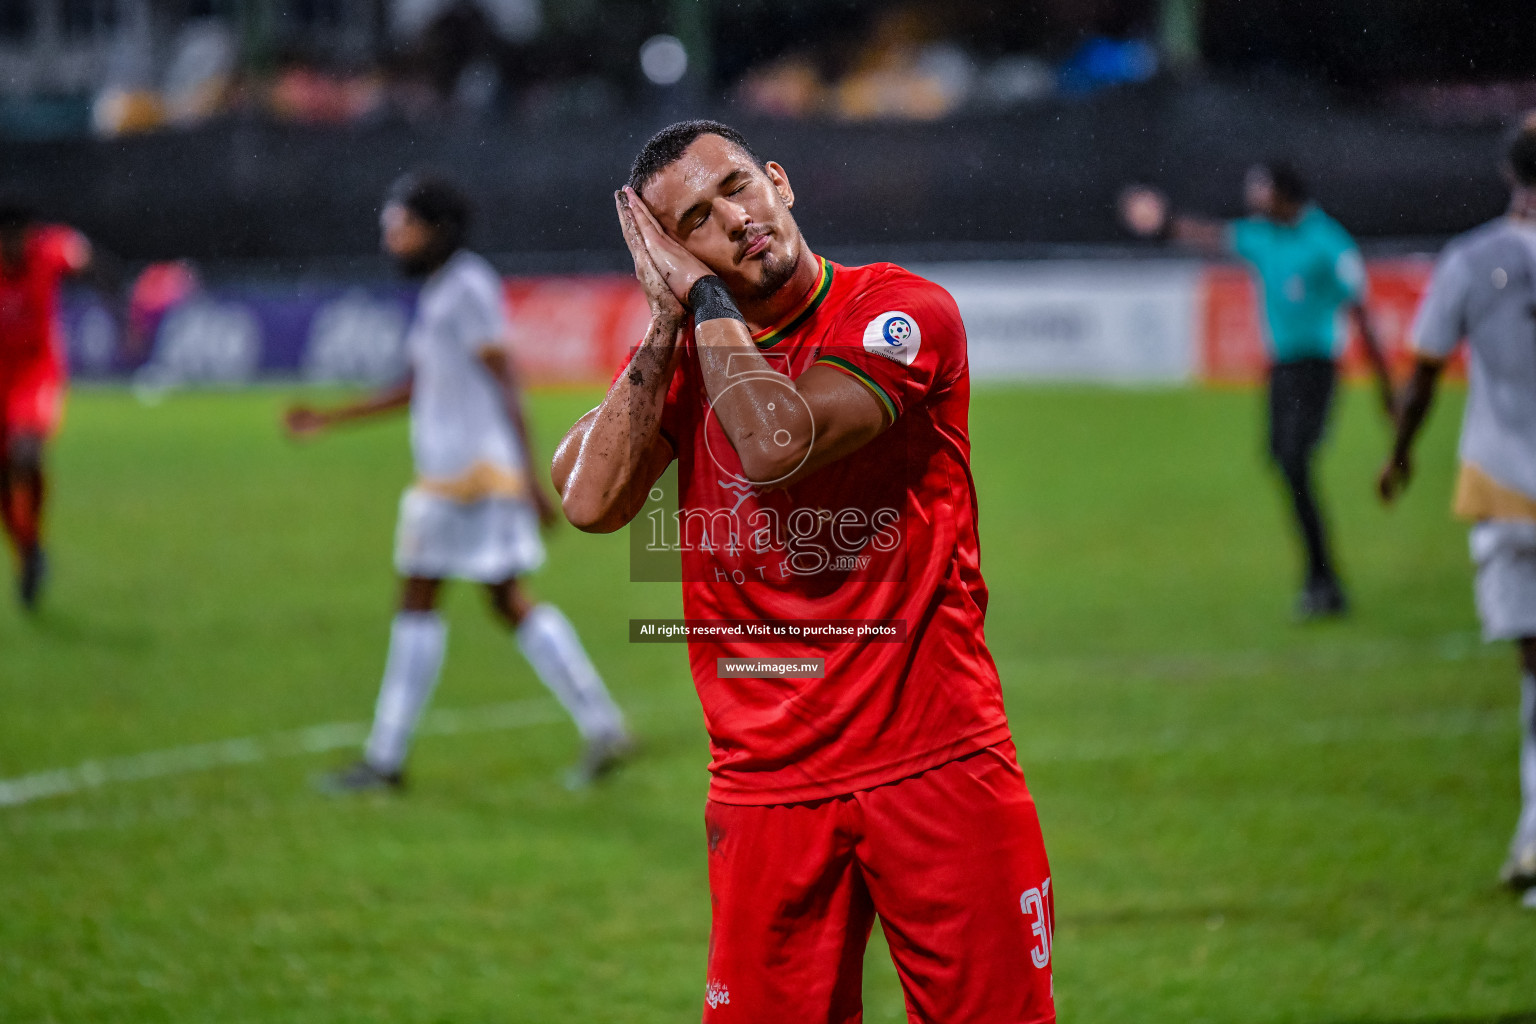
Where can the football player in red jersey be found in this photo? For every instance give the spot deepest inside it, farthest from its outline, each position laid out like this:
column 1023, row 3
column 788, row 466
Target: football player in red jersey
column 818, row 416
column 34, row 258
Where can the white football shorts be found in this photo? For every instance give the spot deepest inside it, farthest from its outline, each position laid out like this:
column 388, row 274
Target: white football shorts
column 486, row 541
column 1504, row 551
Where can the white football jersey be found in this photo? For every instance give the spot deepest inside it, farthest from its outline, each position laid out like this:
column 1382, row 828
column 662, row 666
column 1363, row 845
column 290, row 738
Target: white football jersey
column 460, row 431
column 1484, row 290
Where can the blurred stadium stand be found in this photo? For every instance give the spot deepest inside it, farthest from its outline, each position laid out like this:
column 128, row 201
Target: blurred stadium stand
column 254, row 139
column 263, row 131
column 999, row 184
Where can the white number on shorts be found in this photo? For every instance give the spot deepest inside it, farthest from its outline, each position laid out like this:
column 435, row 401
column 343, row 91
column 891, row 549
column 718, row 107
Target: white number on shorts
column 1035, row 903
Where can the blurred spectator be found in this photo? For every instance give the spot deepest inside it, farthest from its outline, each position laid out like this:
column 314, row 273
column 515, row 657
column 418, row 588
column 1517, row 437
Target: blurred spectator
column 900, row 68
column 1016, row 79
column 790, row 87
column 305, row 93
column 121, row 111
column 1101, row 62
column 905, row 71
column 460, row 40
column 201, row 68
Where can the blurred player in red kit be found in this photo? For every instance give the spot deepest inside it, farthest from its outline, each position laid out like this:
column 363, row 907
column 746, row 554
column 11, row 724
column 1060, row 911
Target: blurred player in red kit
column 818, row 415
column 34, row 258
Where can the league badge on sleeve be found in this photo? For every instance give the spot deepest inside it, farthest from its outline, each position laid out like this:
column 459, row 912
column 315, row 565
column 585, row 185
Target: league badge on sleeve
column 893, row 335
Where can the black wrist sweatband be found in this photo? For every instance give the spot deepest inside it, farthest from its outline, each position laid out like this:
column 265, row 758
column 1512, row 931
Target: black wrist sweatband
column 710, row 301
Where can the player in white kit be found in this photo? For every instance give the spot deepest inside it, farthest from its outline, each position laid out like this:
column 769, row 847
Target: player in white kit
column 475, row 509
column 1484, row 290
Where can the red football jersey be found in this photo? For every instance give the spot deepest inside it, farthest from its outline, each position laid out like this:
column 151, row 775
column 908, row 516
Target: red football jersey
column 29, row 298
column 884, row 536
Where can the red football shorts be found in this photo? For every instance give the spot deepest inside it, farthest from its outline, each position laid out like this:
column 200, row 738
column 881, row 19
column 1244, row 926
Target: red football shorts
column 31, row 396
column 952, row 862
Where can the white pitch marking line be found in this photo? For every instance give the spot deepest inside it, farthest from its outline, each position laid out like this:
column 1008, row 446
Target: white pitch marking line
column 314, row 739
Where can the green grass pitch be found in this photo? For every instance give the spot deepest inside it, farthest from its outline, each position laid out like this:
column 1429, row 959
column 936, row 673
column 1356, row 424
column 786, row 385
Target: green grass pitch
column 1249, row 821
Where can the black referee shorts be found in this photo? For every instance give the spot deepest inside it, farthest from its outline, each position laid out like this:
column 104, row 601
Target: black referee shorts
column 1300, row 395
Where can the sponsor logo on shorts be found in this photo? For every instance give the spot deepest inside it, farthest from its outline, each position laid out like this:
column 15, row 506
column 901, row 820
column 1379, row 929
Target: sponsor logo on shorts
column 717, row 995
column 893, row 335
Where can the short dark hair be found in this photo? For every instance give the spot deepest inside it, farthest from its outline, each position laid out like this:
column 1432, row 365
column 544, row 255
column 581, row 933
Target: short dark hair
column 1520, row 151
column 437, row 201
column 664, row 148
column 1287, row 180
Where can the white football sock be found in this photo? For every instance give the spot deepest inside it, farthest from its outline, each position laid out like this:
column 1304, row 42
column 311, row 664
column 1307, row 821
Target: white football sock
column 416, row 644
column 549, row 642
column 1525, row 832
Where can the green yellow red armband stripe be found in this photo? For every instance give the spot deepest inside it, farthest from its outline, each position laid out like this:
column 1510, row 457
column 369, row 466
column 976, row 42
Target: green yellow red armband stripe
column 865, row 379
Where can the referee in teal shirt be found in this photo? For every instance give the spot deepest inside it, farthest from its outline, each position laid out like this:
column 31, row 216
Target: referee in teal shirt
column 1311, row 279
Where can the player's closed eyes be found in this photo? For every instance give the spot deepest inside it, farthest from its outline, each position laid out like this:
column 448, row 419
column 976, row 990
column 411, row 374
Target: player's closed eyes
column 704, row 218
